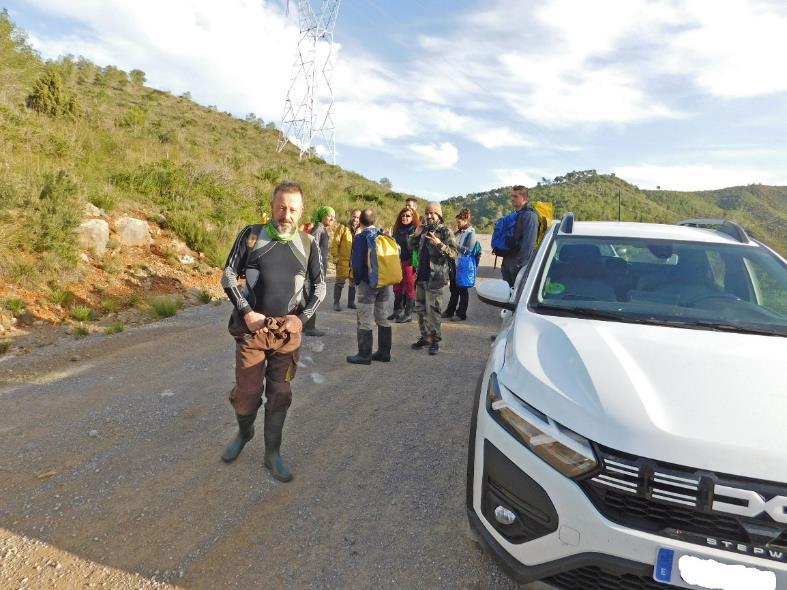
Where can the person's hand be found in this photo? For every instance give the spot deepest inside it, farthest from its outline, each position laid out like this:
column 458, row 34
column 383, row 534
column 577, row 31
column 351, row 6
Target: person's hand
column 292, row 324
column 432, row 237
column 255, row 322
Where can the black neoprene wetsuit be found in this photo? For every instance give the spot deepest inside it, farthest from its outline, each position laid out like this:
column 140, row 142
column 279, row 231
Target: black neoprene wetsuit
column 282, row 277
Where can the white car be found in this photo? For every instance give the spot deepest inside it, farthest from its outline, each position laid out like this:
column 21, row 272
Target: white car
column 630, row 427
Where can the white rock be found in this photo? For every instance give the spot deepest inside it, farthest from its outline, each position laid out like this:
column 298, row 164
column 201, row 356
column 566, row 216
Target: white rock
column 84, row 257
column 91, row 210
column 317, row 378
column 186, row 259
column 93, row 235
column 133, row 232
column 93, row 433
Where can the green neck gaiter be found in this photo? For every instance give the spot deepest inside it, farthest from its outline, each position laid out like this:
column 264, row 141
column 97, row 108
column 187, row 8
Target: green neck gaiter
column 279, row 237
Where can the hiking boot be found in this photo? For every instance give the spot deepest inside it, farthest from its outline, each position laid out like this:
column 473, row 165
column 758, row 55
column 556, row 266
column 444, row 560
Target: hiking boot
column 364, row 356
column 309, row 328
column 407, row 314
column 337, row 297
column 420, row 343
column 445, row 315
column 434, row 347
column 274, row 425
column 397, row 308
column 459, row 318
column 351, row 296
column 383, row 344
column 337, row 306
column 245, row 434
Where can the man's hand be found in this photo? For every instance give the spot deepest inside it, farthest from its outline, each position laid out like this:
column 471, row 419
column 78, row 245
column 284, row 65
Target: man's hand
column 255, row 322
column 292, row 324
column 432, row 237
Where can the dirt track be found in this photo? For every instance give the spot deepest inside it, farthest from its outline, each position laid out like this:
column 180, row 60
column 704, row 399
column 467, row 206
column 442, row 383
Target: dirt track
column 110, row 464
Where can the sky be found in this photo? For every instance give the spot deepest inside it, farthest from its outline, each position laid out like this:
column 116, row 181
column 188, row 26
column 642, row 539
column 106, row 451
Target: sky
column 448, row 98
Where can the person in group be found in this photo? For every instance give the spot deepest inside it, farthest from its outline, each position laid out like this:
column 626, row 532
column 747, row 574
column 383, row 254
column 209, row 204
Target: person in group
column 341, row 252
column 322, row 220
column 465, row 242
column 436, row 248
column 285, row 284
column 307, row 227
column 412, row 203
column 524, row 235
column 371, row 301
column 404, row 293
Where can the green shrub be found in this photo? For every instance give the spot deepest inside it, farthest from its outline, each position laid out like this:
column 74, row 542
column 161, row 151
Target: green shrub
column 57, row 216
column 110, row 305
column 165, row 306
column 114, row 328
column 51, row 97
column 81, row 313
column 133, row 300
column 80, row 331
column 205, row 296
column 5, row 346
column 135, row 117
column 105, row 201
column 14, row 305
column 62, row 297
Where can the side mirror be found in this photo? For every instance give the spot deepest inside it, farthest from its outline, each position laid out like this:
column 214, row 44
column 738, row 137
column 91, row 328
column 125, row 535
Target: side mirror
column 495, row 292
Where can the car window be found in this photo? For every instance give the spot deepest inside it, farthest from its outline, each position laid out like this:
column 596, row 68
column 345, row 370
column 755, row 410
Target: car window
column 713, row 285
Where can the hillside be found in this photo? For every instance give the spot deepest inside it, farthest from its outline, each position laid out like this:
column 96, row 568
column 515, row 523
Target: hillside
column 74, row 135
column 762, row 210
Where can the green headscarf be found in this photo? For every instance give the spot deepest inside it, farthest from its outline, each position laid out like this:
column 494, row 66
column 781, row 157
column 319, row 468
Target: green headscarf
column 321, row 213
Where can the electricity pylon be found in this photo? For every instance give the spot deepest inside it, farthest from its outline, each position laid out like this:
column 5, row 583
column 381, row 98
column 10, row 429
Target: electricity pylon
column 307, row 120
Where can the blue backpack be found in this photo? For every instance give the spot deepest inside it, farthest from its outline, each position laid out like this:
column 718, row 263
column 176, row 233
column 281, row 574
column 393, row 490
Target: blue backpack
column 504, row 234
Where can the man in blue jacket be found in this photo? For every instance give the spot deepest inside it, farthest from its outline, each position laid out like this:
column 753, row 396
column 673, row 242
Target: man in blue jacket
column 524, row 235
column 371, row 301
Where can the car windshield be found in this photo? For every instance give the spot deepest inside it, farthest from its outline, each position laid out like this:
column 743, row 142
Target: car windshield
column 688, row 284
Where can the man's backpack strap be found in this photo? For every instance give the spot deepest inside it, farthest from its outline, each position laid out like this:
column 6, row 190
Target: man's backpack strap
column 302, row 248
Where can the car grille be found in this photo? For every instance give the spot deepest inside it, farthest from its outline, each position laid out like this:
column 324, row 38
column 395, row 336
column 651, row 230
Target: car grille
column 677, row 502
column 594, row 578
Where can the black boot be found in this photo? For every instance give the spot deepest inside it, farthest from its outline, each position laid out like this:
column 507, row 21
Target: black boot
column 351, row 297
column 364, row 356
column 397, row 307
column 245, row 434
column 309, row 328
column 383, row 344
column 274, row 424
column 337, row 297
column 407, row 314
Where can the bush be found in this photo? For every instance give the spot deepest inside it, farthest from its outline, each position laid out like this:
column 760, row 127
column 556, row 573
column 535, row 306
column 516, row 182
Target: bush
column 114, row 328
column 80, row 331
column 81, row 313
column 5, row 346
column 51, row 97
column 57, row 216
column 105, row 201
column 205, row 296
column 14, row 305
column 110, row 305
column 165, row 306
column 137, row 77
column 62, row 297
column 134, row 117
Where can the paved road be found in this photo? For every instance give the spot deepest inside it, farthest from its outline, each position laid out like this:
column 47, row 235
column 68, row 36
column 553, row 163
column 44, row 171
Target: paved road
column 111, row 453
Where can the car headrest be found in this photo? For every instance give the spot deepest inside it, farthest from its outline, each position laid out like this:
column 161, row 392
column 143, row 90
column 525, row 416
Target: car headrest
column 580, row 254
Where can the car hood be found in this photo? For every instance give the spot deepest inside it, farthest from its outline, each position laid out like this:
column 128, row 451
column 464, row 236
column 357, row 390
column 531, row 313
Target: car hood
column 699, row 398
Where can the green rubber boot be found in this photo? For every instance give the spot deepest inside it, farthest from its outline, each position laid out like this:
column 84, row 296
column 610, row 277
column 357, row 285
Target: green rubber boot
column 274, row 424
column 245, row 434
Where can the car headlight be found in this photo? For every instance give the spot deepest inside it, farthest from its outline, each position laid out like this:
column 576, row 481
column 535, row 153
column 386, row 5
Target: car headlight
column 564, row 449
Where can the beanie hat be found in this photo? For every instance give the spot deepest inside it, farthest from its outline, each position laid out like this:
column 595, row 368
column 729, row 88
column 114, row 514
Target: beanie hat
column 435, row 207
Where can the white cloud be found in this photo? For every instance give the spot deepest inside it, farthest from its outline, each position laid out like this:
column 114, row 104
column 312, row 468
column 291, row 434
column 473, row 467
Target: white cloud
column 443, row 155
column 514, row 176
column 501, row 137
column 695, row 177
column 236, row 54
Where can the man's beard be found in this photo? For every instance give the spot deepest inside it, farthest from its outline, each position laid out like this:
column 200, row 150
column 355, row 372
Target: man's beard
column 279, row 225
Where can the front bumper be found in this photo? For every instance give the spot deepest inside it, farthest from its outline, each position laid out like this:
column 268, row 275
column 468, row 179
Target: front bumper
column 583, row 549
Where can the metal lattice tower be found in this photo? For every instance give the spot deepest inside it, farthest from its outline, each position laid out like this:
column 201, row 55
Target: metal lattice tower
column 307, row 120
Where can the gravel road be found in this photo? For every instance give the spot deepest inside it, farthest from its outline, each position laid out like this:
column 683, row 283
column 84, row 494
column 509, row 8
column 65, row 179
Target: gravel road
column 110, row 473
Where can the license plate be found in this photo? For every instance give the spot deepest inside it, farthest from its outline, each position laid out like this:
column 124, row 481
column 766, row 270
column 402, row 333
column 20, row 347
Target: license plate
column 685, row 570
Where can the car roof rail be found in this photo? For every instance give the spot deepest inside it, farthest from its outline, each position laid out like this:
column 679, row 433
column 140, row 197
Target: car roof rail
column 724, row 226
column 567, row 223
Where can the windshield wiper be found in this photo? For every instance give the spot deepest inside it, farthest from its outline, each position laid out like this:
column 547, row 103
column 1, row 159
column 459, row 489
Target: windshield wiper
column 723, row 327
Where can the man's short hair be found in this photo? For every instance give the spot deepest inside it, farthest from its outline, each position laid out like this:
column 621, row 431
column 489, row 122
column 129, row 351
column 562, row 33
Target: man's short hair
column 287, row 186
column 410, row 200
column 520, row 189
column 367, row 217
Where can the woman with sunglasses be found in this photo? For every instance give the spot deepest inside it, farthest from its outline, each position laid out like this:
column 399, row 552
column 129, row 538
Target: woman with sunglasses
column 404, row 292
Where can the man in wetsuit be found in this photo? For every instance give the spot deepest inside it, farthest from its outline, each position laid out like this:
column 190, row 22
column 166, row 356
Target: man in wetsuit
column 284, row 286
